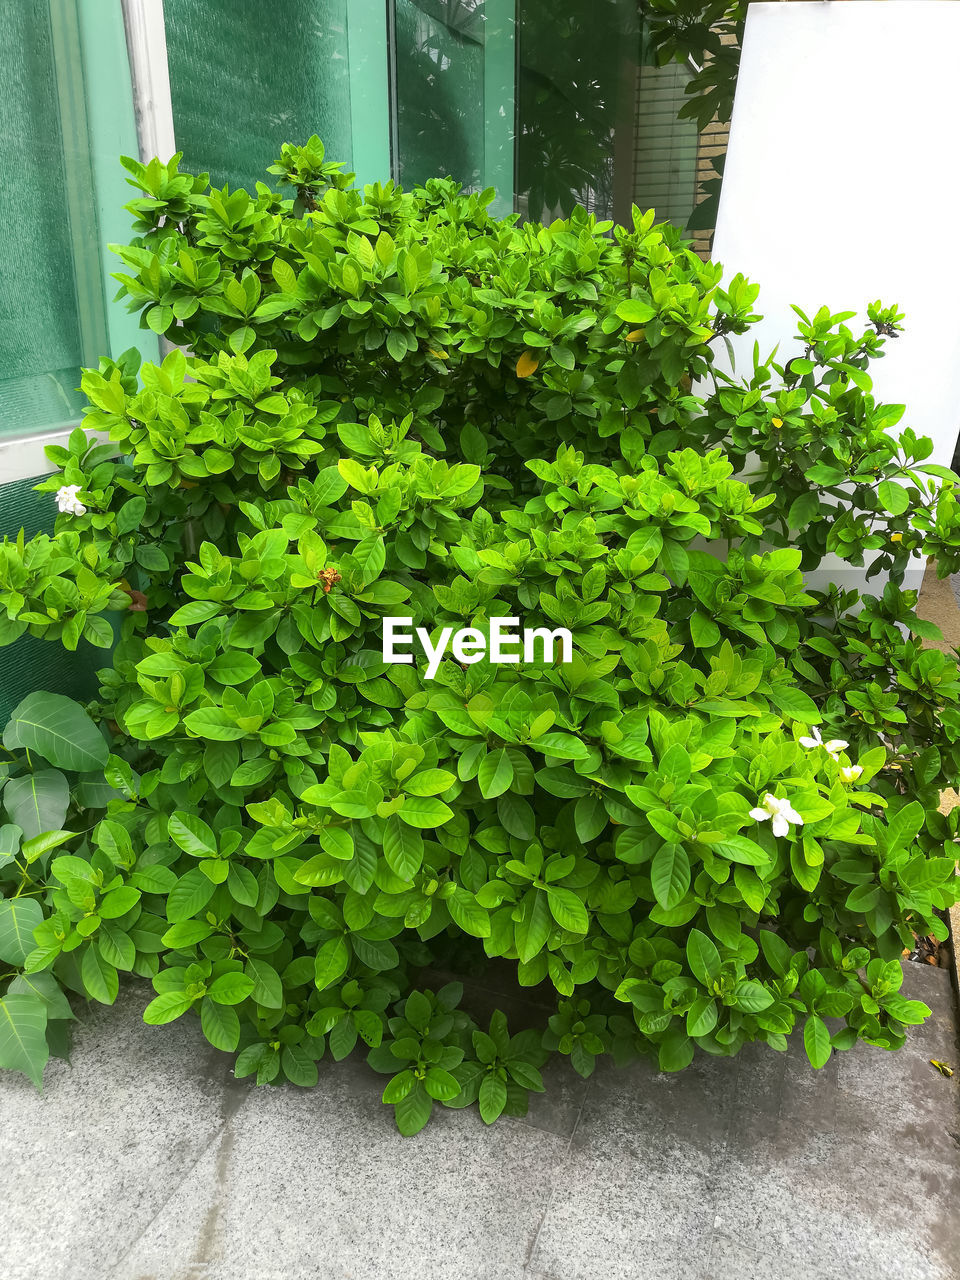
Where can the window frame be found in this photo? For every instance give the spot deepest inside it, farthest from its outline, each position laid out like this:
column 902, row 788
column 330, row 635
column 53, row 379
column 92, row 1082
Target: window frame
column 99, row 101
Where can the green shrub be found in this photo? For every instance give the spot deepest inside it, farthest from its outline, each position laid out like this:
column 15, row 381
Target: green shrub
column 400, row 406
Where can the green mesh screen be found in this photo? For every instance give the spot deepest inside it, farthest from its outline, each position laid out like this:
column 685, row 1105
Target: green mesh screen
column 440, row 98
column 246, row 76
column 40, row 349
column 30, row 664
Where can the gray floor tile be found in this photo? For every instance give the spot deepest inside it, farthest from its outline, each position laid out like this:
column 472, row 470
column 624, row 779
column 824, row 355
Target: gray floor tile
column 146, row 1161
column 90, row 1161
column 319, row 1185
column 633, row 1197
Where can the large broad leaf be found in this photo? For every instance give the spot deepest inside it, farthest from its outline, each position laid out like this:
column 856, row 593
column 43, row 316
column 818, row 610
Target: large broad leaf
column 59, row 730
column 23, row 1040
column 37, row 801
column 43, row 987
column 18, row 919
column 10, row 837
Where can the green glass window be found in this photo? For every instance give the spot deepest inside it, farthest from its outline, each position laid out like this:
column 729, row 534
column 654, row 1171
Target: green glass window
column 455, row 93
column 66, row 116
column 440, row 98
column 246, row 77
column 41, row 346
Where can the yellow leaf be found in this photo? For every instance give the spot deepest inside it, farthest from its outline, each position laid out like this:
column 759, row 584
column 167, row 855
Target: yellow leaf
column 777, row 422
column 527, row 364
column 636, row 335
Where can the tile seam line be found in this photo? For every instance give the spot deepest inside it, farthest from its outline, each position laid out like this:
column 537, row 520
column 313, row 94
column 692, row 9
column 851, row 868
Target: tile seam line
column 216, row 1137
column 532, row 1251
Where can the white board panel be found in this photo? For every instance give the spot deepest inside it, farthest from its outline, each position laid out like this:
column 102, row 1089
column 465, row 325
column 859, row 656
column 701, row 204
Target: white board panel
column 842, row 185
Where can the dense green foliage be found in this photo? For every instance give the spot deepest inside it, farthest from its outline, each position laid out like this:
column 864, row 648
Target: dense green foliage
column 397, row 405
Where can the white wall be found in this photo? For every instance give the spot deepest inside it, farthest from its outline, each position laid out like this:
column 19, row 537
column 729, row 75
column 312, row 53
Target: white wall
column 842, row 185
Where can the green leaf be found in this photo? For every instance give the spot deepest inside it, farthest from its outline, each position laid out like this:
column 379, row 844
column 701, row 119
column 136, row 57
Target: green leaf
column 233, row 666
column 703, row 958
column 702, row 1016
column 37, row 802
column 60, row 731
column 429, row 782
column 413, row 1110
column 99, row 977
column 299, row 1068
column 794, row 704
column 129, row 517
column 37, row 846
column 468, row 914
column 424, row 812
column 441, row 1085
column 590, row 818
column 493, row 1097
column 816, row 1041
column 670, row 875
column 220, row 1025
column 752, row 997
column 402, row 848
column 893, row 497
column 45, row 987
column 495, row 774
column 267, row 985
column 167, row 1008
column 568, row 909
column 192, row 834
column 743, row 850
column 533, row 927
column 776, row 952
column 399, row 1086
column 23, row 1040
column 910, row 1012
column 10, row 838
column 116, row 946
column 18, row 919
column 230, row 988
column 118, row 902
column 189, row 895
column 332, row 960
column 676, row 1050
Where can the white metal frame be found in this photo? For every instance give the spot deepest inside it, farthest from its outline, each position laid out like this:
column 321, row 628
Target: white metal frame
column 22, row 457
column 147, row 49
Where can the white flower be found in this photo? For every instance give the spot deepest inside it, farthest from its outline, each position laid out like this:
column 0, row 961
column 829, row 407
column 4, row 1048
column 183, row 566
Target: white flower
column 850, row 773
column 68, row 501
column 781, row 811
column 832, row 748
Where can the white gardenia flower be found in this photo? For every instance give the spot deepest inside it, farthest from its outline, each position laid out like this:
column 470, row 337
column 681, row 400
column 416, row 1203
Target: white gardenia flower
column 832, row 748
column 68, row 501
column 850, row 772
column 781, row 811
